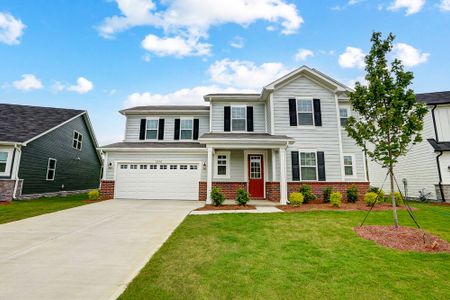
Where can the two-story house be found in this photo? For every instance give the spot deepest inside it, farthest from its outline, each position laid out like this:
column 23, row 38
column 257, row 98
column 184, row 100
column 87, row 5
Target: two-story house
column 268, row 143
column 426, row 167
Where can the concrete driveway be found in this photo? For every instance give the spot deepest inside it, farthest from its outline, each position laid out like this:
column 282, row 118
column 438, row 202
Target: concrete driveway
column 88, row 252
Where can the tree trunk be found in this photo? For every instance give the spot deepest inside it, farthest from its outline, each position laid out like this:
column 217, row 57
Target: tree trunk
column 394, row 206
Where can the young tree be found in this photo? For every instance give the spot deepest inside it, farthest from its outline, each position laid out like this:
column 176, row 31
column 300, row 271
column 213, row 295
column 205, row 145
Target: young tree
column 389, row 118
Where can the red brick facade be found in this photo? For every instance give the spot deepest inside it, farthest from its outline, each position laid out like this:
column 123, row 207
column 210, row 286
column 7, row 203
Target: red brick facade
column 227, row 188
column 273, row 191
column 106, row 189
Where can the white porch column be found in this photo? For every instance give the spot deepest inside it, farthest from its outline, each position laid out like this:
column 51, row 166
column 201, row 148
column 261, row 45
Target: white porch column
column 283, row 177
column 209, row 172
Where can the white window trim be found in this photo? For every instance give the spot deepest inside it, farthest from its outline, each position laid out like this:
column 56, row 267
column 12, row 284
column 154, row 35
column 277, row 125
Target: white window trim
column 300, row 165
column 48, row 169
column 312, row 113
column 348, row 113
column 9, row 159
column 216, row 169
column 73, row 139
column 245, row 118
column 353, row 165
column 157, row 129
column 192, row 129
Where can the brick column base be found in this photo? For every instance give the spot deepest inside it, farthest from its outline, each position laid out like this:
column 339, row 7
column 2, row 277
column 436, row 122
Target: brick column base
column 228, row 189
column 273, row 191
column 106, row 189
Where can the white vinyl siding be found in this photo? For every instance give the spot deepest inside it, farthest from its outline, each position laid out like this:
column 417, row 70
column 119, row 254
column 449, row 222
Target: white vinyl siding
column 133, row 126
column 217, row 113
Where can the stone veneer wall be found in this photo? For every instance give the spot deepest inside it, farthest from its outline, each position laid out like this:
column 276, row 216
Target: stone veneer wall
column 6, row 189
column 52, row 194
column 106, row 189
column 445, row 189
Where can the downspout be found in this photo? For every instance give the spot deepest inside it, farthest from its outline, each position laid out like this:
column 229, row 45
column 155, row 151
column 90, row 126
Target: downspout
column 441, row 188
column 16, row 170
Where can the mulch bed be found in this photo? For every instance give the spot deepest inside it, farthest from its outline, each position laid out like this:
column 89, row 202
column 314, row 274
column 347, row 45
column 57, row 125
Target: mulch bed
column 441, row 204
column 226, row 207
column 359, row 205
column 403, row 238
column 5, row 203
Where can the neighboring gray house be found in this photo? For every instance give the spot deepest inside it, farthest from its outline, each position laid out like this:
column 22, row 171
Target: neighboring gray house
column 268, row 143
column 46, row 150
column 426, row 167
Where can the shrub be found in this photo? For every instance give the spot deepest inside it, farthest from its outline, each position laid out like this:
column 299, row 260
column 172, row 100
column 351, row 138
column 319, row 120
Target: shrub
column 296, row 199
column 217, row 196
column 352, row 194
column 327, row 193
column 307, row 193
column 242, row 196
column 377, row 191
column 94, row 195
column 371, row 198
column 398, row 198
column 336, row 199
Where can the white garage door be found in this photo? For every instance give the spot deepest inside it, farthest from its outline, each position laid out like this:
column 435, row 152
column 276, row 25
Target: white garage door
column 175, row 181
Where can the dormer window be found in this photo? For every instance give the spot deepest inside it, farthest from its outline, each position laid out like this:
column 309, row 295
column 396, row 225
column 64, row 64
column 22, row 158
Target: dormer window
column 238, row 119
column 77, row 140
column 186, row 128
column 152, row 129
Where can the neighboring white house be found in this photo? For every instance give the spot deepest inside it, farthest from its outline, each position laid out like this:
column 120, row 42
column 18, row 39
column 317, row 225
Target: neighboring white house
column 426, row 167
column 268, row 143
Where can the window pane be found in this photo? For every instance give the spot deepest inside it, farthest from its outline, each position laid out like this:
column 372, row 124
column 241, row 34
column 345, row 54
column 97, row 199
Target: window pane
column 50, row 174
column 151, row 134
column 308, row 159
column 238, row 125
column 305, row 119
column 238, row 112
column 304, row 105
column 221, row 170
column 348, row 170
column 343, row 113
column 343, row 121
column 186, row 134
column 75, row 135
column 80, row 138
column 2, row 167
column 186, row 124
column 308, row 173
column 348, row 160
column 3, row 156
column 51, row 164
column 74, row 144
column 152, row 124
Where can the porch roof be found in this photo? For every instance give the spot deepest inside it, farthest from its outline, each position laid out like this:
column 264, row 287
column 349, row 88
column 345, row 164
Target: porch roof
column 244, row 138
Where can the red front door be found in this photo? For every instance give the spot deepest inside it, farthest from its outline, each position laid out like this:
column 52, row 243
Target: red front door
column 256, row 175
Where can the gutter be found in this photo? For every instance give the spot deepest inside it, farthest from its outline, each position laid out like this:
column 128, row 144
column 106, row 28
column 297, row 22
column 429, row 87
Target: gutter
column 441, row 188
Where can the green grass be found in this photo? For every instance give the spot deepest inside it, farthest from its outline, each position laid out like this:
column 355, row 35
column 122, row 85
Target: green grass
column 23, row 209
column 312, row 255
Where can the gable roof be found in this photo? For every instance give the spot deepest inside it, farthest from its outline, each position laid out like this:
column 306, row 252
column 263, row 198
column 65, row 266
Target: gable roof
column 160, row 108
column 434, row 98
column 21, row 123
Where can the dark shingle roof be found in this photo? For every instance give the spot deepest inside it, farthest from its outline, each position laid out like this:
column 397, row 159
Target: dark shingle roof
column 250, row 136
column 19, row 123
column 439, row 146
column 166, row 108
column 154, row 145
column 434, row 98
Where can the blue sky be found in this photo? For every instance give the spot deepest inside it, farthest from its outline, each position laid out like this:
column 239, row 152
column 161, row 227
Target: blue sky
column 105, row 55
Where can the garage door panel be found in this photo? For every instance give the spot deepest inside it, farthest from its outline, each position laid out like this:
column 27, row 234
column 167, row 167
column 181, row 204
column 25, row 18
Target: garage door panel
column 158, row 183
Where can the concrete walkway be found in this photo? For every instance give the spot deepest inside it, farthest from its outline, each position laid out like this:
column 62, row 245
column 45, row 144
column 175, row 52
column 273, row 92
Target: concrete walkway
column 88, row 252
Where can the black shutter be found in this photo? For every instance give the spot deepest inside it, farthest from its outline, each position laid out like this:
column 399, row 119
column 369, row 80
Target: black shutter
column 292, row 112
column 195, row 135
column 295, row 166
column 142, row 129
column 249, row 118
column 317, row 113
column 177, row 130
column 227, row 118
column 161, row 129
column 321, row 165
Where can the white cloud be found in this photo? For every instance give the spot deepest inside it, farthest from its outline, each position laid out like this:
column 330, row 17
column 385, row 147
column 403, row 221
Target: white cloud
column 11, row 29
column 245, row 74
column 186, row 96
column 352, row 58
column 237, row 42
column 445, row 5
column 409, row 55
column 360, row 79
column 303, row 54
column 28, row 82
column 411, row 6
column 175, row 46
column 82, row 86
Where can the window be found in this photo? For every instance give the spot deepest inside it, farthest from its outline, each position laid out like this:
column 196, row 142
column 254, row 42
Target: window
column 77, row 140
column 238, row 120
column 255, row 167
column 51, row 169
column 152, row 167
column 305, row 112
column 152, row 129
column 143, row 167
column 308, row 165
column 186, row 129
column 193, row 167
column 183, row 167
column 349, row 165
column 133, row 167
column 163, row 167
column 222, row 164
column 173, row 167
column 3, row 161
column 343, row 114
column 123, row 167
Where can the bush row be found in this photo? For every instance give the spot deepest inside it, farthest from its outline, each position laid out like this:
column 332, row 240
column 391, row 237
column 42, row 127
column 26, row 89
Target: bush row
column 217, row 197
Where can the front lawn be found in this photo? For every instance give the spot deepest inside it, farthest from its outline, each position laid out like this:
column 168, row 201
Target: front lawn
column 23, row 209
column 306, row 255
